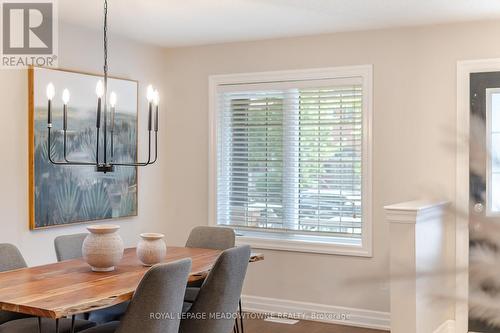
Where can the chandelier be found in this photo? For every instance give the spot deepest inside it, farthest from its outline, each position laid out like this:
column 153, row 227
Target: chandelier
column 106, row 163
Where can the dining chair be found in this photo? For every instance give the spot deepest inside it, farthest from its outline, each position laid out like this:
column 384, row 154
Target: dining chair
column 10, row 259
column 70, row 247
column 217, row 238
column 156, row 306
column 217, row 301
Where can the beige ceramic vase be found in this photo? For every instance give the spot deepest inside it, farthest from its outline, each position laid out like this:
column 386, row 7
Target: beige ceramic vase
column 103, row 247
column 151, row 249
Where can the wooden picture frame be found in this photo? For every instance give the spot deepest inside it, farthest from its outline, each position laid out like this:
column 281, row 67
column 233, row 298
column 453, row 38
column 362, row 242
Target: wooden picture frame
column 74, row 216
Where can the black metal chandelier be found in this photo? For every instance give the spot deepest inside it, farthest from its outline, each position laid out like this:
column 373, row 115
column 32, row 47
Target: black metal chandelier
column 105, row 164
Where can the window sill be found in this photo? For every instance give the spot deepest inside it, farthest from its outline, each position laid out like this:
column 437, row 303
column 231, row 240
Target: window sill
column 294, row 243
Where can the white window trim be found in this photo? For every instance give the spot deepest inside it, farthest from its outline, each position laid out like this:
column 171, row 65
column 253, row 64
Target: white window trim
column 363, row 71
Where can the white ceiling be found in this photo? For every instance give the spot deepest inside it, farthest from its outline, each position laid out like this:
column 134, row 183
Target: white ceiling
column 173, row 23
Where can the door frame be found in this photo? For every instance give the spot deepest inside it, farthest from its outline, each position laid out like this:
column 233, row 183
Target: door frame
column 464, row 69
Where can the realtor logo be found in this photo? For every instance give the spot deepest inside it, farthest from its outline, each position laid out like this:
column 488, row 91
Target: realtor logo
column 28, row 33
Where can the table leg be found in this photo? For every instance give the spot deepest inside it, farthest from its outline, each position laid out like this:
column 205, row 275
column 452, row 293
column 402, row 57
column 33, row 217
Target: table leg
column 57, row 325
column 73, row 324
column 39, row 324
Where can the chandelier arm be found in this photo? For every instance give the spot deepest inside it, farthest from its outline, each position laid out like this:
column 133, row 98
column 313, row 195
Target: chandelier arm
column 49, row 153
column 156, row 148
column 112, row 147
column 66, row 156
column 97, row 147
column 49, row 150
column 140, row 163
column 149, row 147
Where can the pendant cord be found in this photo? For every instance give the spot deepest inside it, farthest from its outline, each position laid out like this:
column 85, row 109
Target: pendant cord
column 105, row 39
column 105, row 148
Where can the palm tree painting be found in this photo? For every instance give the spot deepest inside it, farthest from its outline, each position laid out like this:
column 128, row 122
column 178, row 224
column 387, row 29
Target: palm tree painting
column 62, row 195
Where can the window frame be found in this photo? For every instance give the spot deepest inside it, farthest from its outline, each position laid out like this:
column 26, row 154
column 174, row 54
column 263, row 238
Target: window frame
column 263, row 239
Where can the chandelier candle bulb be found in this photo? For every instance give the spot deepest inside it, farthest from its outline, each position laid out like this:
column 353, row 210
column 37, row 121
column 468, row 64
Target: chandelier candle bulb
column 51, row 91
column 99, row 89
column 150, row 94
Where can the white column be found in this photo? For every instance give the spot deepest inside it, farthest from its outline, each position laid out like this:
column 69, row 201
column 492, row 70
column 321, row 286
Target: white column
column 421, row 274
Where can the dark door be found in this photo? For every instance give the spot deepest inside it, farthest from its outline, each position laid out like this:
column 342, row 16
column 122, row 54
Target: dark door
column 484, row 232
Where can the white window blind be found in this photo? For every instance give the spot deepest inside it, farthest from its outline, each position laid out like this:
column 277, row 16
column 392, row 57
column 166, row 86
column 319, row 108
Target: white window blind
column 289, row 157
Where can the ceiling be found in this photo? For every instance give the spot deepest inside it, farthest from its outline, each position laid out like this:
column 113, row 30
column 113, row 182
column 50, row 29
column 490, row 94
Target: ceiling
column 173, row 23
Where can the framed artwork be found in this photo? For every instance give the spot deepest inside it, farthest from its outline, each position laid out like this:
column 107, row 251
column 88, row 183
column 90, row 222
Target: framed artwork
column 63, row 195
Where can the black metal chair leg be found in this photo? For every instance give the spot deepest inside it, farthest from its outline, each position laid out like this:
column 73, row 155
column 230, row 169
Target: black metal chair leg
column 236, row 326
column 39, row 324
column 57, row 325
column 241, row 317
column 73, row 324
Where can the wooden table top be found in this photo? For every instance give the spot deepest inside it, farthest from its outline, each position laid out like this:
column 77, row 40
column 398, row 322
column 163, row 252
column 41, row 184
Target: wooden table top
column 70, row 287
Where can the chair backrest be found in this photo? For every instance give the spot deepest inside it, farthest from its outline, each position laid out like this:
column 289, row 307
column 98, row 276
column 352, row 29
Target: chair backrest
column 219, row 295
column 157, row 302
column 69, row 246
column 217, row 238
column 10, row 258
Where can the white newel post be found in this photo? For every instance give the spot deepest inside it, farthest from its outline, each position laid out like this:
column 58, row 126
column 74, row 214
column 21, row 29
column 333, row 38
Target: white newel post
column 420, row 278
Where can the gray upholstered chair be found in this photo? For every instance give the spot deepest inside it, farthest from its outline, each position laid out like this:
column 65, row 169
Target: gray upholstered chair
column 157, row 303
column 10, row 259
column 219, row 294
column 69, row 246
column 217, row 238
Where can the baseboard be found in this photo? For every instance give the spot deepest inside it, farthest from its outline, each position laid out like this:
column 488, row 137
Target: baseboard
column 317, row 312
column 446, row 327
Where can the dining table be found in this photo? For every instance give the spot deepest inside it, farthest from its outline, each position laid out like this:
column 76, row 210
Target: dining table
column 68, row 288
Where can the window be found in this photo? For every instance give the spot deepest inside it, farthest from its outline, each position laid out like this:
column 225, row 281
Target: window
column 290, row 159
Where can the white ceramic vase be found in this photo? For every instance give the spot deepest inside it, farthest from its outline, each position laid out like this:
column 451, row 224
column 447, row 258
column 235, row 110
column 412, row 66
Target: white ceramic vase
column 103, row 247
column 151, row 249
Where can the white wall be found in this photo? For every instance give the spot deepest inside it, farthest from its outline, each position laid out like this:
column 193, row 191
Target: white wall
column 413, row 133
column 78, row 50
